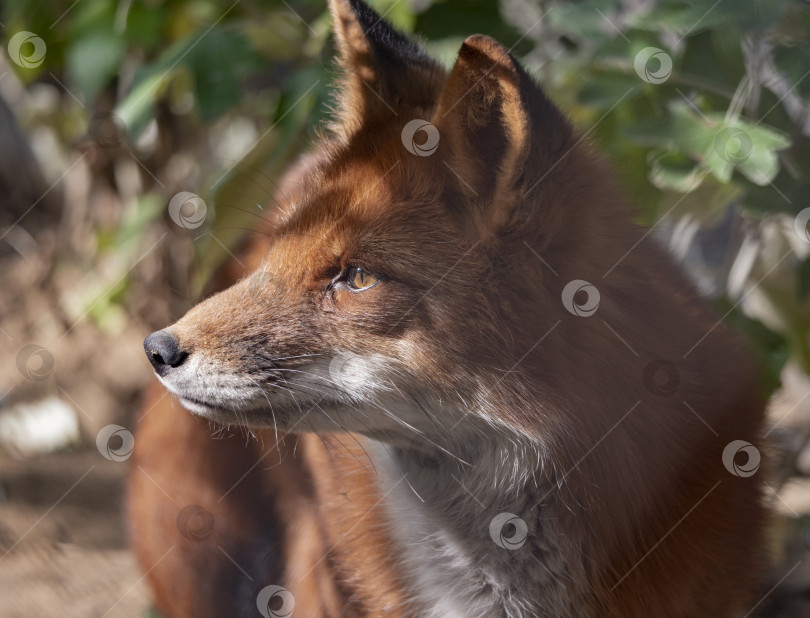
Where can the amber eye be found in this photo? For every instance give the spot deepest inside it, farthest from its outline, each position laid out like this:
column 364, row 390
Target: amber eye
column 359, row 279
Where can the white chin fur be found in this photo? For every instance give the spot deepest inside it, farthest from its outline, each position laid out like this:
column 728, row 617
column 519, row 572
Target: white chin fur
column 346, row 392
column 197, row 408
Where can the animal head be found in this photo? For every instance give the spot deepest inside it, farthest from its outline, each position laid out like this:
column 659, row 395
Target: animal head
column 403, row 277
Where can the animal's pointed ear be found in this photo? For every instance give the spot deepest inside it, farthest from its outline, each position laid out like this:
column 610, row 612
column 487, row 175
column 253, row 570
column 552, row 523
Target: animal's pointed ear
column 500, row 133
column 386, row 73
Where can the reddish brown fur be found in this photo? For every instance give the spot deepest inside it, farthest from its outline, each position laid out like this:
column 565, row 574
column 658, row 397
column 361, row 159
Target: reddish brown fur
column 668, row 530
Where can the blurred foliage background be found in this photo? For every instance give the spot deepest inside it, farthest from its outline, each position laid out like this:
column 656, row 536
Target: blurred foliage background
column 108, row 109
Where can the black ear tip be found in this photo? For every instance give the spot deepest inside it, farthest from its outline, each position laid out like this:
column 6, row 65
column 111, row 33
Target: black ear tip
column 373, row 53
column 386, row 40
column 359, row 5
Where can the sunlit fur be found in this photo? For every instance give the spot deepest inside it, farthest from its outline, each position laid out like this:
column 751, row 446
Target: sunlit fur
column 396, row 422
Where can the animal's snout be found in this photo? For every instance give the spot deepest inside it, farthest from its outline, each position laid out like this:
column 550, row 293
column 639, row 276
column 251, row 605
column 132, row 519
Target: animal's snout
column 164, row 352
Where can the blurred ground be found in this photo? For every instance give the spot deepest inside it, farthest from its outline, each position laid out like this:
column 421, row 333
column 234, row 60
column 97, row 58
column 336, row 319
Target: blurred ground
column 63, row 540
column 63, row 545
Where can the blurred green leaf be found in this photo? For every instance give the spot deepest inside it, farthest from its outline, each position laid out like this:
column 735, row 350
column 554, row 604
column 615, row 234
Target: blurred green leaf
column 148, row 207
column 93, row 60
column 675, row 172
column 721, row 145
column 149, row 83
column 751, row 148
column 218, row 62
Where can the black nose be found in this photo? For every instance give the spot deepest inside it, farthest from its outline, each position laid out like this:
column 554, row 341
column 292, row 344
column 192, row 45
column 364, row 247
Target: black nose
column 163, row 351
